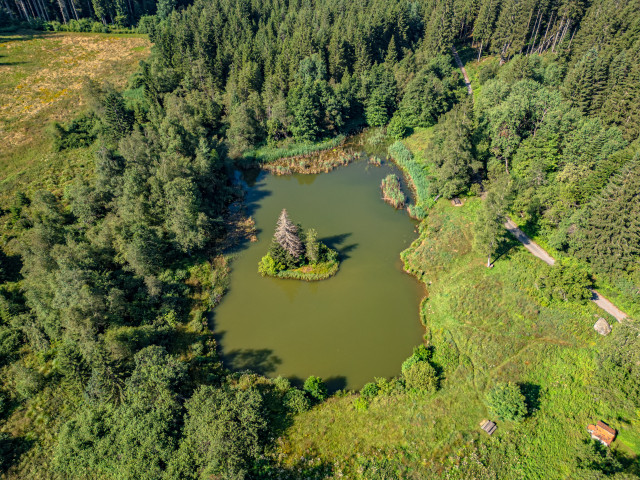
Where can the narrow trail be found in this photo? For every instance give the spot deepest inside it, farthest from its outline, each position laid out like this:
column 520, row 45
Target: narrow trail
column 540, row 252
column 467, row 82
column 532, row 246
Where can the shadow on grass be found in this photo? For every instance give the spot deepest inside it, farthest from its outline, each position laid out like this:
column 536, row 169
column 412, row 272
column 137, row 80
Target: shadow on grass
column 11, row 449
column 506, row 246
column 531, row 394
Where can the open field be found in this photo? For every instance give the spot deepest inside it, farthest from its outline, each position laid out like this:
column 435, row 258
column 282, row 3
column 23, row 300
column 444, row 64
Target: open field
column 42, row 76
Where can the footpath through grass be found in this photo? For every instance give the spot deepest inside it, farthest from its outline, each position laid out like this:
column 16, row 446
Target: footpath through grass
column 42, row 75
column 485, row 326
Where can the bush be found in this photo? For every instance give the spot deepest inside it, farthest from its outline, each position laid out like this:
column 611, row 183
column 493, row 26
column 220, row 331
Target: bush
column 421, row 377
column 80, row 132
column 506, row 401
column 370, row 390
column 567, row 280
column 361, row 404
column 296, row 401
column 28, row 381
column 267, row 266
column 397, row 128
column 420, row 354
column 315, row 387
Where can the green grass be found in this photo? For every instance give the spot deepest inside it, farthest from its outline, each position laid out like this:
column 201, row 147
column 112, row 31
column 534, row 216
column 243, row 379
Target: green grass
column 42, row 75
column 417, row 175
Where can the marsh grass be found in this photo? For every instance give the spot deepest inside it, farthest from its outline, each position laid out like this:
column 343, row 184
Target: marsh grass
column 267, row 154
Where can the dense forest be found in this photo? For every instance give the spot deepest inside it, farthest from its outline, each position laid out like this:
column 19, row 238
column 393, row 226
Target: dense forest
column 105, row 290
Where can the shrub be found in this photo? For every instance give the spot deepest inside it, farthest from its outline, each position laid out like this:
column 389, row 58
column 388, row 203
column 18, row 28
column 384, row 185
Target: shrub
column 420, row 354
column 281, row 383
column 421, row 377
column 80, row 132
column 27, row 381
column 267, row 266
column 567, row 280
column 361, row 404
column 506, row 401
column 397, row 128
column 315, row 387
column 370, row 390
column 296, row 401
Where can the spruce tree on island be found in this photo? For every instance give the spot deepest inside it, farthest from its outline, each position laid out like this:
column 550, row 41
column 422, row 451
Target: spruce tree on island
column 287, row 235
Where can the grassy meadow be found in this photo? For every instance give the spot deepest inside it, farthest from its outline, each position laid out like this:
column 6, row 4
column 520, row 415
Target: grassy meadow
column 485, row 326
column 42, row 78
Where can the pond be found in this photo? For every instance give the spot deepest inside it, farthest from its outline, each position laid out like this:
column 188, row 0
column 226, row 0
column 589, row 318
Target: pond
column 361, row 323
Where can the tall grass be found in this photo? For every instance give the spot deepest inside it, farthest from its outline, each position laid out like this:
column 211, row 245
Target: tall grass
column 417, row 175
column 267, row 153
column 392, row 192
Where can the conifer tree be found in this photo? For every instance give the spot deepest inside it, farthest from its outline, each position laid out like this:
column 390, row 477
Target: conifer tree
column 287, row 235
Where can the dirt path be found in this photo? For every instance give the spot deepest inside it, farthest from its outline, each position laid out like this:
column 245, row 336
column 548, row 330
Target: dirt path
column 539, row 252
column 467, row 82
column 530, row 245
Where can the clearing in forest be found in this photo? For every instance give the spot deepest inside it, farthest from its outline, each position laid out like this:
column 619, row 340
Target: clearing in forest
column 41, row 80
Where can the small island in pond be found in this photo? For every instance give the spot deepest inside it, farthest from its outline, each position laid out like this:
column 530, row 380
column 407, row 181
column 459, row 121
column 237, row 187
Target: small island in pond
column 297, row 254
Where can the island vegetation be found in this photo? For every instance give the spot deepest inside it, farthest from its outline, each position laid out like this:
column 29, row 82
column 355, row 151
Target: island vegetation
column 392, row 191
column 298, row 254
column 112, row 227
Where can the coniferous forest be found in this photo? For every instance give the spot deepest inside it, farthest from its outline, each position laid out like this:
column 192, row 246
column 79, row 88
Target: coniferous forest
column 109, row 366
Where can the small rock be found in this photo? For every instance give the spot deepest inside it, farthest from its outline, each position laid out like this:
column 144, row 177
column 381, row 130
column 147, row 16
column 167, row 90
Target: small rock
column 602, row 327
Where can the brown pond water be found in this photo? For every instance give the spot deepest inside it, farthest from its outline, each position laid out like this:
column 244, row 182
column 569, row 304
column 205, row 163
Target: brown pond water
column 361, row 323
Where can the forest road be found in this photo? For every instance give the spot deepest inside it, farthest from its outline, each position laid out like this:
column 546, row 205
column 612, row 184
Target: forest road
column 539, row 252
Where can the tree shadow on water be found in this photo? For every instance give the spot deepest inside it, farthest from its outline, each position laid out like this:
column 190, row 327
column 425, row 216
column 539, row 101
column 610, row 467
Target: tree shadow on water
column 261, row 361
column 336, row 242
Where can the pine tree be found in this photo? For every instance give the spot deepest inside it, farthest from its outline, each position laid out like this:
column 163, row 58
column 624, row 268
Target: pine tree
column 287, row 235
column 311, row 246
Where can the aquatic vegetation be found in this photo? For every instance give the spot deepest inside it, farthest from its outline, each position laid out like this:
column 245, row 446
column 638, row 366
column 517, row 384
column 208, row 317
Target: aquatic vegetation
column 392, row 191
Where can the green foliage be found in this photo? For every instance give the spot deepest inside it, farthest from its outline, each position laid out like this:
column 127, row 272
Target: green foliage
column 27, row 381
column 421, row 377
column 392, row 192
column 315, row 387
column 370, row 390
column 223, row 434
column 566, row 280
column 267, row 266
column 397, row 128
column 420, row 354
column 506, row 401
column 296, row 401
column 361, row 404
column 312, row 246
column 80, row 132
